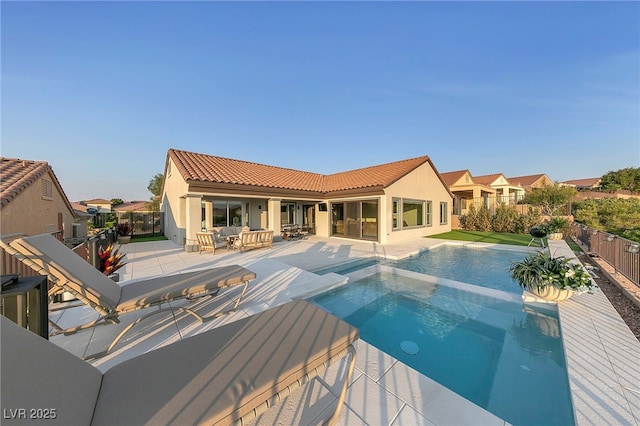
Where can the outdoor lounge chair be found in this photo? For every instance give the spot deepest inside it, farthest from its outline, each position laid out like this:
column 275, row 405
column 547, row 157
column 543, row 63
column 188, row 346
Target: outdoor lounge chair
column 69, row 272
column 227, row 375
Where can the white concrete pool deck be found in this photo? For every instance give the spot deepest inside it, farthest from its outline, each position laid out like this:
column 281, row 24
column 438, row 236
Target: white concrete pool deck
column 603, row 356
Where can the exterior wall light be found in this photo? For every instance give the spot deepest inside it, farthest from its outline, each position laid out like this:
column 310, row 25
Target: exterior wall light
column 611, row 238
column 633, row 248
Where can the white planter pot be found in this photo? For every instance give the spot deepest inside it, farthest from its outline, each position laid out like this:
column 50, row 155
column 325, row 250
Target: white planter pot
column 555, row 236
column 552, row 294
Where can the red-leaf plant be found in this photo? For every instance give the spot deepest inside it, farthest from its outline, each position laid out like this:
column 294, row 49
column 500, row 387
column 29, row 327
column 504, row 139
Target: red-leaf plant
column 110, row 259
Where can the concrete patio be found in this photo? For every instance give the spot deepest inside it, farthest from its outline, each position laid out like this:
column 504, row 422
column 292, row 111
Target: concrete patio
column 602, row 353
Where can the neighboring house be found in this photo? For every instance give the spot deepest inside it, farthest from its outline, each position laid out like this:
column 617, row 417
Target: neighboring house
column 506, row 192
column 33, row 202
column 132, row 206
column 590, row 189
column 531, row 181
column 385, row 203
column 100, row 204
column 589, row 184
column 466, row 191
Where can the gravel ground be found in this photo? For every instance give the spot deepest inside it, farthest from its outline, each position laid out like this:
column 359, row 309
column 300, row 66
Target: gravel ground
column 629, row 311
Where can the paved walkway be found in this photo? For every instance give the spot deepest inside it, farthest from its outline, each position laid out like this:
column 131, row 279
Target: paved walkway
column 601, row 355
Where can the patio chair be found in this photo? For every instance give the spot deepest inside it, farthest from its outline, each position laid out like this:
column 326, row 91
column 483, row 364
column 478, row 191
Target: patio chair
column 206, row 241
column 70, row 273
column 227, row 375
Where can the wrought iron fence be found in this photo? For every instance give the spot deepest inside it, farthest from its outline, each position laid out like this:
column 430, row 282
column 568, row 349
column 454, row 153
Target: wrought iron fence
column 145, row 224
column 622, row 254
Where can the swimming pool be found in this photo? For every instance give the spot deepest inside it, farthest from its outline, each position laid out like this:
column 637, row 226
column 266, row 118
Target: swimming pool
column 480, row 266
column 481, row 343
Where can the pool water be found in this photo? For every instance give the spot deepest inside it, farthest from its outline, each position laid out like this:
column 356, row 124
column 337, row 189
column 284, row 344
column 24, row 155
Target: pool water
column 480, row 266
column 481, row 343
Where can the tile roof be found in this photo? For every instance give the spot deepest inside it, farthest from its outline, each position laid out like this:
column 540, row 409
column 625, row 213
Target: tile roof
column 132, row 206
column 583, row 182
column 525, row 180
column 487, row 179
column 207, row 168
column 97, row 201
column 17, row 175
column 381, row 175
column 450, row 178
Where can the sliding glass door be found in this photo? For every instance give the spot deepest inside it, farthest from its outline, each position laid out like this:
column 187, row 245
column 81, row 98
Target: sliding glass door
column 370, row 220
column 355, row 219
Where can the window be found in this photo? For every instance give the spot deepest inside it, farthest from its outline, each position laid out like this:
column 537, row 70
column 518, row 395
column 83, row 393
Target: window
column 227, row 213
column 47, row 189
column 235, row 214
column 444, row 214
column 287, row 213
column 429, row 213
column 412, row 213
column 395, row 213
column 75, row 230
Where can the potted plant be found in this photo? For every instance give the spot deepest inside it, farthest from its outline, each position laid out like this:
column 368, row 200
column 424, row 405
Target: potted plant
column 109, row 261
column 124, row 231
column 555, row 227
column 551, row 278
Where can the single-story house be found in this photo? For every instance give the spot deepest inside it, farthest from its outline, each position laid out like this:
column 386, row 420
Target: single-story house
column 588, row 184
column 99, row 204
column 384, row 203
column 466, row 191
column 506, row 191
column 530, row 182
column 33, row 202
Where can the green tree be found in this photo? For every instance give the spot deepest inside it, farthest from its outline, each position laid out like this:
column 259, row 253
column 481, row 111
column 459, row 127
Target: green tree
column 155, row 188
column 625, row 179
column 550, row 198
column 116, row 201
column 615, row 215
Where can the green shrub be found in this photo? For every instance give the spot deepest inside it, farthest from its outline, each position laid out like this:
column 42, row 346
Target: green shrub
column 505, row 219
column 484, row 219
column 525, row 222
column 469, row 220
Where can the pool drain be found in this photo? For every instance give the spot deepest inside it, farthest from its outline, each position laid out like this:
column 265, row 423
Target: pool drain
column 409, row 347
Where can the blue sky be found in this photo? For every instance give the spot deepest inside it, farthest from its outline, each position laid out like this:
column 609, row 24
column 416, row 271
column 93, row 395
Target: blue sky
column 101, row 90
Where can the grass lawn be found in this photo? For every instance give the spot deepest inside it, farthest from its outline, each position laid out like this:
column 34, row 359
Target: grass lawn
column 575, row 247
column 147, row 239
column 485, row 237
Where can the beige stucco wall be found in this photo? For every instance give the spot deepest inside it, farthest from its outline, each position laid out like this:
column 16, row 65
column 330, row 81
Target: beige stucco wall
column 421, row 184
column 32, row 214
column 174, row 205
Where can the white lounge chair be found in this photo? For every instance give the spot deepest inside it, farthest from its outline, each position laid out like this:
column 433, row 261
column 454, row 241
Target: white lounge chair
column 69, row 272
column 224, row 376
